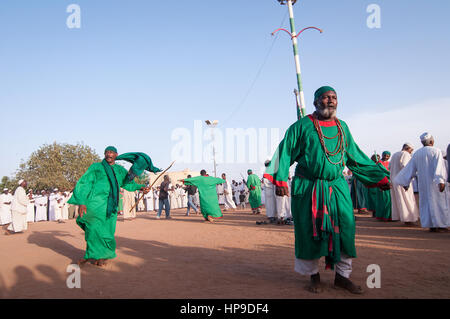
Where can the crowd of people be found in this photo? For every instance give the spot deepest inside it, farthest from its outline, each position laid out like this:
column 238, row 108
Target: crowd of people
column 418, row 193
column 316, row 199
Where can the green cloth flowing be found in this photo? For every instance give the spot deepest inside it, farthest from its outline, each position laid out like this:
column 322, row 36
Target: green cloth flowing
column 140, row 161
column 359, row 194
column 209, row 203
column 92, row 190
column 321, row 205
column 254, row 186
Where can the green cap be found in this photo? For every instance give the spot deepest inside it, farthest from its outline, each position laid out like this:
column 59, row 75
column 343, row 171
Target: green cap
column 322, row 90
column 111, row 148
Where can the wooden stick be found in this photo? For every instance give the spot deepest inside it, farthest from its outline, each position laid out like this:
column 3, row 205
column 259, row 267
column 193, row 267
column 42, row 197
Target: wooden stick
column 151, row 185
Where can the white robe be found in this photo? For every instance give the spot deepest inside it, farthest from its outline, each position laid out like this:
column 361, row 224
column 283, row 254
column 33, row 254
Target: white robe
column 236, row 194
column 228, row 195
column 128, row 202
column 5, row 209
column 270, row 199
column 428, row 165
column 178, row 197
column 41, row 208
column 51, row 206
column 65, row 208
column 404, row 207
column 156, row 199
column 220, row 194
column 149, row 200
column 58, row 207
column 19, row 211
column 30, row 210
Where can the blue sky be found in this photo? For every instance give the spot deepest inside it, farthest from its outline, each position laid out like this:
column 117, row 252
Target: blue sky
column 137, row 70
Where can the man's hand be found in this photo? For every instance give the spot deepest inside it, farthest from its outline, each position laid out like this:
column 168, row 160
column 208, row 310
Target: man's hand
column 145, row 190
column 281, row 191
column 441, row 187
column 81, row 210
column 386, row 186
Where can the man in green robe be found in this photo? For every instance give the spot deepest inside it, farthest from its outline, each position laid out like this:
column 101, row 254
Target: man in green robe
column 209, row 203
column 97, row 194
column 321, row 205
column 254, row 186
column 383, row 204
column 359, row 195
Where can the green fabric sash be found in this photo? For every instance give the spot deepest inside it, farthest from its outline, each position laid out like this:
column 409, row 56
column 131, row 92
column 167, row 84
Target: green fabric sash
column 113, row 197
column 140, row 161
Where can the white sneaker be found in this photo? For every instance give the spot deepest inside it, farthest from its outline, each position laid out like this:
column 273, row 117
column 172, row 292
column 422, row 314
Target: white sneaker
column 158, row 217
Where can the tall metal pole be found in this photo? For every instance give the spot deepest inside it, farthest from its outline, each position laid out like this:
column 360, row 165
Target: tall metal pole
column 214, row 152
column 301, row 110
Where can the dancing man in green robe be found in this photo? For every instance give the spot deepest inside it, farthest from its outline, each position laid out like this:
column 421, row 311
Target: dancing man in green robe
column 321, row 205
column 97, row 194
column 209, row 203
column 254, row 186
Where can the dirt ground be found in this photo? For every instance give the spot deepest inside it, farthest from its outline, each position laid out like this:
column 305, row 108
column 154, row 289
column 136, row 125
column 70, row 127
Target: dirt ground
column 189, row 258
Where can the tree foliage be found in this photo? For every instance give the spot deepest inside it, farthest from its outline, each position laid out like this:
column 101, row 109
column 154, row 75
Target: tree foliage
column 57, row 165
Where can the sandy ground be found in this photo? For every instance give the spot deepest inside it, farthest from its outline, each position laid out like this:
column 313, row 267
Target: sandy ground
column 187, row 257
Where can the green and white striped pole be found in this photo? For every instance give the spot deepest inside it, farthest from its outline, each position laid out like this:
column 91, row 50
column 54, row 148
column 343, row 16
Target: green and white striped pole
column 300, row 96
column 301, row 110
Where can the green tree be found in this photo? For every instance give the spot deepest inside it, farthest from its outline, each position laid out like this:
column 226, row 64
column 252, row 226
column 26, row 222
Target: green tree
column 57, row 165
column 8, row 183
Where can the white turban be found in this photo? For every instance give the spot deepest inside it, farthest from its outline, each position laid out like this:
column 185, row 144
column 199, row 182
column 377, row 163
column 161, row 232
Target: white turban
column 5, row 189
column 21, row 181
column 425, row 137
column 409, row 145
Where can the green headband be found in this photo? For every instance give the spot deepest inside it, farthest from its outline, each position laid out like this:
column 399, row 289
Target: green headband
column 322, row 90
column 111, row 148
column 249, row 171
column 386, row 153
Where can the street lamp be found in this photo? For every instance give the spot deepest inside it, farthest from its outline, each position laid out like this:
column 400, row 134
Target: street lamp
column 213, row 124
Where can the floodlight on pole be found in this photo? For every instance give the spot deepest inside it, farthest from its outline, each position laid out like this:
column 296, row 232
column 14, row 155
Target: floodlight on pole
column 213, row 124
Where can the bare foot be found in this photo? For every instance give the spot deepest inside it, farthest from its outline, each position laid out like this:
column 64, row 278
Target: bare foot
column 82, row 261
column 101, row 262
column 211, row 219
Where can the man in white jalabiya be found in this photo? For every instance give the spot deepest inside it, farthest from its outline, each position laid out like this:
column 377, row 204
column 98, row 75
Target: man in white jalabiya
column 270, row 200
column 65, row 209
column 58, row 207
column 5, row 207
column 227, row 194
column 236, row 193
column 41, row 207
column 51, row 205
column 428, row 165
column 19, row 210
column 30, row 207
column 404, row 206
column 149, row 200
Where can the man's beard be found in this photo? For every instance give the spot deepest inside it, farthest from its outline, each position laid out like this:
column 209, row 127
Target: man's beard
column 326, row 112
